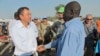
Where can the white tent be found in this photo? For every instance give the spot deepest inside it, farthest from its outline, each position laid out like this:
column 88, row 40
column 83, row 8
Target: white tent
column 5, row 20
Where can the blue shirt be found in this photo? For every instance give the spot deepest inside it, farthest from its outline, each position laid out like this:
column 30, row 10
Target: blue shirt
column 24, row 38
column 71, row 43
column 97, row 49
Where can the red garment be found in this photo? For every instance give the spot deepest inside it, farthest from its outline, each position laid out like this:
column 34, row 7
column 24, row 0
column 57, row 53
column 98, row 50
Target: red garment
column 98, row 25
column 2, row 37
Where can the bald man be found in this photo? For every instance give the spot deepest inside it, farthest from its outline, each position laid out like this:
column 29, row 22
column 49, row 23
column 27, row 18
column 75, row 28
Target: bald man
column 71, row 42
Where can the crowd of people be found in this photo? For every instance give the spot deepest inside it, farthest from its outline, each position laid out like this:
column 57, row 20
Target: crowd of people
column 68, row 36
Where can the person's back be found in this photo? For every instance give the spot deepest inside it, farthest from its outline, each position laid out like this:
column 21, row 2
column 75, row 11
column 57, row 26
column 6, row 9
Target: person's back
column 74, row 40
column 71, row 42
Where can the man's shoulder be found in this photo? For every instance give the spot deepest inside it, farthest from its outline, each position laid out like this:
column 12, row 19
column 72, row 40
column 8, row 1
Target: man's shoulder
column 76, row 26
column 57, row 22
column 76, row 23
column 17, row 24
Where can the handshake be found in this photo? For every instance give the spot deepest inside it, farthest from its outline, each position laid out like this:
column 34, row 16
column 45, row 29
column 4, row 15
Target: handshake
column 41, row 48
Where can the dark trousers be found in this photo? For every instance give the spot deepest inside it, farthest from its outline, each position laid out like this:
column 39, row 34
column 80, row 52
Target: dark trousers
column 89, row 51
column 45, row 53
column 17, row 55
column 97, row 54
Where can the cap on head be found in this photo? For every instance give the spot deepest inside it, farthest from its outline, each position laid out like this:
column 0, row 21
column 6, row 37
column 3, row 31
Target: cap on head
column 61, row 10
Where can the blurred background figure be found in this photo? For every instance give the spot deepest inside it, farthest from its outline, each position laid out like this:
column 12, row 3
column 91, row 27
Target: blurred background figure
column 4, row 28
column 92, row 35
column 45, row 30
column 58, row 27
column 46, row 34
column 98, row 25
column 97, row 50
column 37, row 22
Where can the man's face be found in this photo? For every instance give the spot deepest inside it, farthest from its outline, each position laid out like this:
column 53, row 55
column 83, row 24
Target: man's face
column 60, row 15
column 26, row 16
column 68, row 14
column 45, row 20
column 89, row 19
column 36, row 21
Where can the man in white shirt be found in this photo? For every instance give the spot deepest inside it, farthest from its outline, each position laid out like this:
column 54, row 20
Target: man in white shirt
column 24, row 34
column 10, row 25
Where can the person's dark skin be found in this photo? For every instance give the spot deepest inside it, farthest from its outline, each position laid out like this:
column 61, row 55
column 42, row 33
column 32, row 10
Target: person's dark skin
column 72, row 10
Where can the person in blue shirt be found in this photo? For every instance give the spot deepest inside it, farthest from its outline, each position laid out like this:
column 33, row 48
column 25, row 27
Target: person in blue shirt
column 71, row 42
column 97, row 48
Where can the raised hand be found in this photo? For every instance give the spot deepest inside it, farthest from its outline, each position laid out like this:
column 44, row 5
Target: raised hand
column 40, row 48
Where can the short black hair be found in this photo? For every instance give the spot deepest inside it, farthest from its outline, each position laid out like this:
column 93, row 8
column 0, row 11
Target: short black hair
column 72, row 9
column 15, row 16
column 20, row 10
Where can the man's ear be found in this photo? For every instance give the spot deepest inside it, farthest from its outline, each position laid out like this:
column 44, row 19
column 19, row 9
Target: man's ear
column 21, row 17
column 72, row 12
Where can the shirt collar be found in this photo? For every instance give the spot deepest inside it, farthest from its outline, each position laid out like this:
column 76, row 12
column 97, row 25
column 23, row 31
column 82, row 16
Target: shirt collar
column 71, row 21
column 20, row 25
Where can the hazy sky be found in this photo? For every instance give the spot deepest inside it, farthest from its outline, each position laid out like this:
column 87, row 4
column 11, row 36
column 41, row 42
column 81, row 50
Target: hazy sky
column 42, row 8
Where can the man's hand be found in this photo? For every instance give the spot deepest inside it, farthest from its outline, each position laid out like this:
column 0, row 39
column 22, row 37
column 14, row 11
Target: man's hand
column 40, row 48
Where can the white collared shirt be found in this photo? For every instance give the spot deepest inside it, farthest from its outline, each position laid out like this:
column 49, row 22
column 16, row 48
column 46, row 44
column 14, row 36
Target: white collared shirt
column 24, row 38
column 11, row 23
